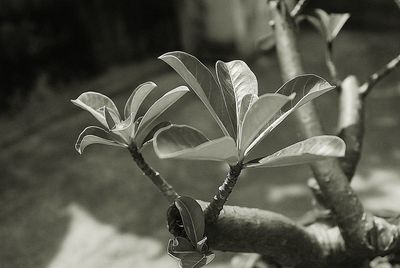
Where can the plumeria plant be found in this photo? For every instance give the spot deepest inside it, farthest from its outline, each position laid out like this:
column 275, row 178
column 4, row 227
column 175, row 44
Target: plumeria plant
column 230, row 94
column 245, row 120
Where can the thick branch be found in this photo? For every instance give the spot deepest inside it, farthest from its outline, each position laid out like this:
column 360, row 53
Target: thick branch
column 241, row 229
column 216, row 205
column 376, row 77
column 165, row 188
column 343, row 202
column 351, row 124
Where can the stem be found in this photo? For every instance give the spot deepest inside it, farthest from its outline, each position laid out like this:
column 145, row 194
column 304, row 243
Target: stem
column 298, row 8
column 165, row 188
column 376, row 77
column 213, row 210
column 330, row 63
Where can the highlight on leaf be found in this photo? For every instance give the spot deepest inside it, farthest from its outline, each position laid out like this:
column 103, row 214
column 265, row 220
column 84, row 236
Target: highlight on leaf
column 185, row 142
column 130, row 129
column 235, row 90
column 312, row 149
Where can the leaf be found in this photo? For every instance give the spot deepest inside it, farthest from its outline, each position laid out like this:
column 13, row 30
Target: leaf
column 160, row 106
column 301, row 89
column 185, row 142
column 181, row 244
column 219, row 102
column 259, row 114
column 193, row 260
column 93, row 102
column 312, row 149
column 95, row 135
column 136, row 99
column 192, row 217
column 247, row 102
column 237, row 78
column 328, row 24
column 150, row 135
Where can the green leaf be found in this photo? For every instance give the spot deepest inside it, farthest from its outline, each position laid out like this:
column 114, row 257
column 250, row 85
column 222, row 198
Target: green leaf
column 192, row 217
column 160, row 106
column 328, row 24
column 259, row 114
column 219, row 102
column 185, row 142
column 136, row 99
column 301, row 90
column 95, row 135
column 237, row 78
column 94, row 103
column 312, row 149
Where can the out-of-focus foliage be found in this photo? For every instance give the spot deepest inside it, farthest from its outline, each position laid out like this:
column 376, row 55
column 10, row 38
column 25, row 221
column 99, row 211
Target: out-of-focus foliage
column 68, row 39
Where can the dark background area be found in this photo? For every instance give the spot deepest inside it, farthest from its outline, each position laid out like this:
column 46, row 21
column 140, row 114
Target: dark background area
column 70, row 40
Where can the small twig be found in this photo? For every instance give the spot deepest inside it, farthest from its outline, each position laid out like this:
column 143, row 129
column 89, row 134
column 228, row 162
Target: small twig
column 331, row 64
column 298, row 8
column 165, row 188
column 376, row 77
column 216, row 205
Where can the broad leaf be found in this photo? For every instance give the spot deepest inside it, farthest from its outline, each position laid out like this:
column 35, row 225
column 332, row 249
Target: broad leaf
column 95, row 135
column 184, row 142
column 328, row 24
column 160, row 106
column 181, row 245
column 245, row 105
column 193, row 260
column 259, row 114
column 136, row 99
column 237, row 78
column 192, row 217
column 301, row 89
column 94, row 103
column 219, row 102
column 312, row 149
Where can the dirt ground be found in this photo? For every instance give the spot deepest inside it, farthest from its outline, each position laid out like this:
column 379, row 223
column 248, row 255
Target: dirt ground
column 59, row 209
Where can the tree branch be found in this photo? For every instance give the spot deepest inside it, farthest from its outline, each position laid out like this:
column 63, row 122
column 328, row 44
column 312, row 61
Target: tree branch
column 163, row 186
column 351, row 124
column 216, row 205
column 365, row 89
column 351, row 218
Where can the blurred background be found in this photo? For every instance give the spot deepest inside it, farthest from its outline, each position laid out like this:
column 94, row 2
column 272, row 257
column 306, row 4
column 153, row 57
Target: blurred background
column 59, row 209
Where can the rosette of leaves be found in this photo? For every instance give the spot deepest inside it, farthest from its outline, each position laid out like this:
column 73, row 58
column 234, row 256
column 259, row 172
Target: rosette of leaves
column 132, row 129
column 189, row 246
column 244, row 118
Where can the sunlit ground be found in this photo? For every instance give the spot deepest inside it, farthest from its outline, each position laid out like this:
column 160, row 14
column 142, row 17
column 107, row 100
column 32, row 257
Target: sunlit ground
column 59, row 209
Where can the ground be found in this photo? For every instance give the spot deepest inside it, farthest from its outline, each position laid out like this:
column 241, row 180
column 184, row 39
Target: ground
column 59, row 209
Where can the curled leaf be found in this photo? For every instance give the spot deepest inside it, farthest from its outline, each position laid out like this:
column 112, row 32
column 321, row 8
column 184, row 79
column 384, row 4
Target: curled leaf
column 95, row 135
column 192, row 217
column 94, row 103
column 136, row 99
column 312, row 149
